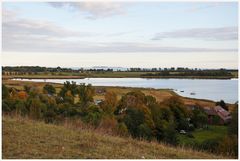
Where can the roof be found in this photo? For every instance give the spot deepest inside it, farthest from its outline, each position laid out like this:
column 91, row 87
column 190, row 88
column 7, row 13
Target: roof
column 225, row 115
column 210, row 111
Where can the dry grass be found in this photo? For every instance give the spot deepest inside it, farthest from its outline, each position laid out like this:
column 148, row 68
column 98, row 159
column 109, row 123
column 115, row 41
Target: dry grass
column 23, row 138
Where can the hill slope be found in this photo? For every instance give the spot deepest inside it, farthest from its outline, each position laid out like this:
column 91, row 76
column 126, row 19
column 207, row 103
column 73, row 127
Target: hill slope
column 28, row 139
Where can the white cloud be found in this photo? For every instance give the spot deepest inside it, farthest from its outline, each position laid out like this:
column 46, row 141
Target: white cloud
column 93, row 10
column 216, row 34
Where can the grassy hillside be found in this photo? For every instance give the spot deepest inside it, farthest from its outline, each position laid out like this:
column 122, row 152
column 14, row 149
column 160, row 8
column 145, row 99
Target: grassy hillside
column 28, row 139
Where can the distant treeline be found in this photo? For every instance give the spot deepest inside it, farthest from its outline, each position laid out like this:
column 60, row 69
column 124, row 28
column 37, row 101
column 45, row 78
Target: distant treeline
column 38, row 69
column 161, row 71
column 221, row 72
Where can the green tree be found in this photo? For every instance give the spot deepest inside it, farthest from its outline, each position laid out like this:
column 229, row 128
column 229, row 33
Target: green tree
column 145, row 132
column 21, row 108
column 132, row 120
column 5, row 92
column 49, row 89
column 37, row 108
column 222, row 104
column 199, row 118
column 86, row 94
column 93, row 115
column 233, row 127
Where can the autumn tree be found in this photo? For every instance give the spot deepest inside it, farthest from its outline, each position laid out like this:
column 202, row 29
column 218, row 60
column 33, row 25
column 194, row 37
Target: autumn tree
column 110, row 103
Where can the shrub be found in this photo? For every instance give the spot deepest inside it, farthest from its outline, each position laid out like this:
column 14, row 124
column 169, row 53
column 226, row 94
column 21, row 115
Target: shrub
column 5, row 92
column 37, row 108
column 5, row 106
column 93, row 115
column 133, row 119
column 49, row 89
column 50, row 116
column 21, row 108
column 122, row 129
column 145, row 132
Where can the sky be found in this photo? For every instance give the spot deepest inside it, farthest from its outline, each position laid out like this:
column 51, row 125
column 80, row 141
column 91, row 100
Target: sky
column 120, row 34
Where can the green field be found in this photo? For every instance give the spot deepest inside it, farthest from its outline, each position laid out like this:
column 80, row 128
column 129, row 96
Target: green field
column 200, row 135
column 23, row 138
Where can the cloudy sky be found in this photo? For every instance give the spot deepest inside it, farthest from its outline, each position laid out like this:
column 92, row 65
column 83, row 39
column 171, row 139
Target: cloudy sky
column 126, row 34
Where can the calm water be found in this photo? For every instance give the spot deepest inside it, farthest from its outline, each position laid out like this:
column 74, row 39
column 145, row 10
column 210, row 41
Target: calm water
column 212, row 89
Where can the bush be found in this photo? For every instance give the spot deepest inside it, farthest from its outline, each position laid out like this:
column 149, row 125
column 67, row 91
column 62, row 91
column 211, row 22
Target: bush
column 122, row 129
column 133, row 119
column 5, row 106
column 5, row 92
column 37, row 108
column 21, row 108
column 93, row 115
column 50, row 116
column 145, row 132
column 49, row 89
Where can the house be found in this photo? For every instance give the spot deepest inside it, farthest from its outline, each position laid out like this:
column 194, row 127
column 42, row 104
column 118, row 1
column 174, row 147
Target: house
column 100, row 91
column 223, row 114
column 217, row 113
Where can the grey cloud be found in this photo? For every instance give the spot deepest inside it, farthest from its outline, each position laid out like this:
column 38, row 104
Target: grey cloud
column 93, row 10
column 13, row 27
column 216, row 34
column 24, row 35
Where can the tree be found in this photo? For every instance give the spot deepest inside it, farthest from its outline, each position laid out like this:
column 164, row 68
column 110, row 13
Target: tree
column 170, row 134
column 85, row 93
column 49, row 89
column 21, row 108
column 222, row 104
column 27, row 88
column 179, row 111
column 37, row 108
column 233, row 127
column 145, row 132
column 93, row 115
column 110, row 103
column 5, row 92
column 199, row 118
column 132, row 120
column 122, row 129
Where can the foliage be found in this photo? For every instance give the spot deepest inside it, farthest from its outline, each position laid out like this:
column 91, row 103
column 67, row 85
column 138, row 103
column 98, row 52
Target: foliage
column 37, row 108
column 86, row 93
column 110, row 102
column 133, row 119
column 199, row 118
column 233, row 127
column 49, row 89
column 93, row 116
column 21, row 108
column 5, row 92
column 122, row 129
column 222, row 104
